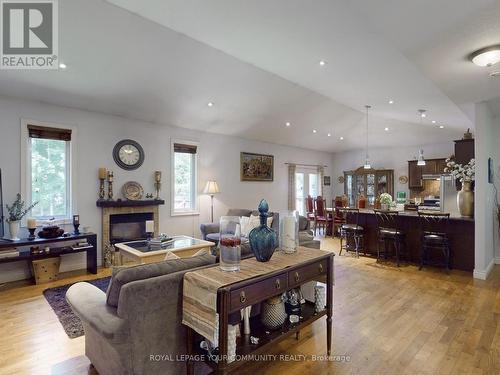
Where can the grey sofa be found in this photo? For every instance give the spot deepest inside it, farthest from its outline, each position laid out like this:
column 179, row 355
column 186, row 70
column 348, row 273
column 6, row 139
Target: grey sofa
column 140, row 316
column 210, row 231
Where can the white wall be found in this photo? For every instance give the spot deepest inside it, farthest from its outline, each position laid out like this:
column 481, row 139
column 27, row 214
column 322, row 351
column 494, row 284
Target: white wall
column 390, row 158
column 219, row 158
column 485, row 210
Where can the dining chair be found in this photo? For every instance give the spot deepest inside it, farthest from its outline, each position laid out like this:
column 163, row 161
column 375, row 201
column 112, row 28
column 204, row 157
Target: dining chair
column 321, row 217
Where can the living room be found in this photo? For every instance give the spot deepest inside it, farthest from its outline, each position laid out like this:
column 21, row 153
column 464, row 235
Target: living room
column 161, row 127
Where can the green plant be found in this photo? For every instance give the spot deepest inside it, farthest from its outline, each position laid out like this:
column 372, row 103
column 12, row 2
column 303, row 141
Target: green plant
column 386, row 198
column 17, row 211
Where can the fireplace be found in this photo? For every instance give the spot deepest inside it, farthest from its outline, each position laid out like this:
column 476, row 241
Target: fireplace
column 128, row 227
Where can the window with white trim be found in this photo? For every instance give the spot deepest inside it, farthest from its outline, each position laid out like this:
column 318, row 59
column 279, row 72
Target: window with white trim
column 48, row 172
column 184, row 178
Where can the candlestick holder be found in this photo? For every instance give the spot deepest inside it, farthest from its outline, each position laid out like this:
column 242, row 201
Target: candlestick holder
column 102, row 192
column 110, row 185
column 32, row 236
column 157, row 188
column 77, row 231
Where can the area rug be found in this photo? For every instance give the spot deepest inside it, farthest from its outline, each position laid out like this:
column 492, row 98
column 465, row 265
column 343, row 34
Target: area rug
column 56, row 297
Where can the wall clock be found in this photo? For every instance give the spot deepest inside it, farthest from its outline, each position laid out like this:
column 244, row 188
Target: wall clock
column 128, row 154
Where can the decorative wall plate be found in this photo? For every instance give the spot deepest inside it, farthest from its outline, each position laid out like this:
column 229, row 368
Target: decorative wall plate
column 403, row 179
column 341, row 179
column 132, row 191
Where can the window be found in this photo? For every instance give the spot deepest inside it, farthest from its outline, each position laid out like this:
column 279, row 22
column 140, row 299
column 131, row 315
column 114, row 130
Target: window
column 48, row 172
column 184, row 178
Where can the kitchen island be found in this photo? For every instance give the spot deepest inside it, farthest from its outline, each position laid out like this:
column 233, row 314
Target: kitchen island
column 460, row 232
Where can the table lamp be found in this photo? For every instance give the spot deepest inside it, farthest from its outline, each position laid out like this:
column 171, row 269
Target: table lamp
column 211, row 188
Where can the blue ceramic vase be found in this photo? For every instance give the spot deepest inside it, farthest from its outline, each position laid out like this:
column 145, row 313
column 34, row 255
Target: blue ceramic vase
column 263, row 240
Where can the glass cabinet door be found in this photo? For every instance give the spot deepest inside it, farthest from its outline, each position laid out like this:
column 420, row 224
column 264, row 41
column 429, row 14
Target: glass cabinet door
column 370, row 189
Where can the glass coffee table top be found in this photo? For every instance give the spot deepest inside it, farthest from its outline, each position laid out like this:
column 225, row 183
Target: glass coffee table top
column 176, row 243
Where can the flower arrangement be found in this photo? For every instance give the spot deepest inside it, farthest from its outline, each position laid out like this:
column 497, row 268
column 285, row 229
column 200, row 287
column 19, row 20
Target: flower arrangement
column 386, row 198
column 17, row 211
column 461, row 172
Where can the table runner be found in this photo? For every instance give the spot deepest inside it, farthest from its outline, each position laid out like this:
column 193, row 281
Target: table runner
column 199, row 307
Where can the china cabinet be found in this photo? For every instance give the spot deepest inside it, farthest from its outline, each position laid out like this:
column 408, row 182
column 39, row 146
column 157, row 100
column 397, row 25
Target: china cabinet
column 369, row 183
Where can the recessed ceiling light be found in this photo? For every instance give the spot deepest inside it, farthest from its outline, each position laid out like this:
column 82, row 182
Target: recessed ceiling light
column 486, row 56
column 341, row 138
column 210, row 104
column 322, row 62
column 422, row 113
column 329, row 134
column 441, row 126
column 391, row 101
column 287, row 124
column 433, row 121
column 62, row 66
column 386, row 129
column 315, row 131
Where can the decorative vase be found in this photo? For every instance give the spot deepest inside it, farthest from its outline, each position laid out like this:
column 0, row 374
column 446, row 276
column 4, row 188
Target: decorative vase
column 263, row 240
column 319, row 298
column 384, row 207
column 289, row 231
column 14, row 230
column 273, row 313
column 465, row 200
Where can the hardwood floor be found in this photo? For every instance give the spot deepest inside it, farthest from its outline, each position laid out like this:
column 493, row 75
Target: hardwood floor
column 386, row 321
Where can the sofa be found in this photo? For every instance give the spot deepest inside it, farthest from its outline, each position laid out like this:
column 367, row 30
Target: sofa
column 210, row 231
column 140, row 316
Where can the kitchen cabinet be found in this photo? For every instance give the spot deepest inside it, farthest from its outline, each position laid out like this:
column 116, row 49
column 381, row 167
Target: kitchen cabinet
column 464, row 151
column 415, row 172
column 368, row 182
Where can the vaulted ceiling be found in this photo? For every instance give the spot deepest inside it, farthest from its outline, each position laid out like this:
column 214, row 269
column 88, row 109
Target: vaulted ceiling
column 258, row 62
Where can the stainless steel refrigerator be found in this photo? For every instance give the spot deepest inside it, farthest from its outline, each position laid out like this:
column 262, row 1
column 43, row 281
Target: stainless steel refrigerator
column 448, row 195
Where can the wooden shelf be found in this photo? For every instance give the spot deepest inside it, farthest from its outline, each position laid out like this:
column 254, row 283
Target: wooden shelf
column 129, row 203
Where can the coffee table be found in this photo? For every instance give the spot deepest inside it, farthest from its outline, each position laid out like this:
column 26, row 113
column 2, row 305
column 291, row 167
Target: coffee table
column 140, row 252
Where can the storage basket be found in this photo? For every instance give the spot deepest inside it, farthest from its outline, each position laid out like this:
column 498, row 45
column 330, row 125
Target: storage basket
column 46, row 270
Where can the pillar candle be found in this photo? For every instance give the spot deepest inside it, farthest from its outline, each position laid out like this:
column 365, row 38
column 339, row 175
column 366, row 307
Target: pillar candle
column 31, row 223
column 150, row 226
column 102, row 173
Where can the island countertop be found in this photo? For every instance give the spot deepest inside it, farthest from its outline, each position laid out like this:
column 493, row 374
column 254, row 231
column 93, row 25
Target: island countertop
column 460, row 231
column 415, row 214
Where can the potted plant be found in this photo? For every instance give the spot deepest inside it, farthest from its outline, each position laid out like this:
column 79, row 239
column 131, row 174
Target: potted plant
column 385, row 201
column 466, row 174
column 15, row 214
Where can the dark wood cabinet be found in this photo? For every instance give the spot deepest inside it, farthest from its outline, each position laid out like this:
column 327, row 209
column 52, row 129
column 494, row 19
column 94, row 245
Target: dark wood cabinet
column 415, row 172
column 464, row 151
column 368, row 182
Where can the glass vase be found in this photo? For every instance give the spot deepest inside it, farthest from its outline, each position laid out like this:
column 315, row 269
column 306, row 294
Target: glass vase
column 289, row 231
column 230, row 243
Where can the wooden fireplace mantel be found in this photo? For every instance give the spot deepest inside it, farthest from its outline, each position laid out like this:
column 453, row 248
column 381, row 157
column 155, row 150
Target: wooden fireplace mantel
column 129, row 203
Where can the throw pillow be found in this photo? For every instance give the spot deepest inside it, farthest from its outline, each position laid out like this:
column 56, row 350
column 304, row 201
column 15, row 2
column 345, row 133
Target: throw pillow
column 171, row 255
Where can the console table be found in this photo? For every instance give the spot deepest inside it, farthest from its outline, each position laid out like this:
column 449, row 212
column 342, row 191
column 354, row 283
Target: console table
column 253, row 284
column 26, row 255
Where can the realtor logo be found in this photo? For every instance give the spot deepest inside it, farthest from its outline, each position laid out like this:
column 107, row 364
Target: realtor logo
column 29, row 37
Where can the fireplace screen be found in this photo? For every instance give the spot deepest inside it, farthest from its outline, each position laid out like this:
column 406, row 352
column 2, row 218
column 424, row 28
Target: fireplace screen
column 128, row 227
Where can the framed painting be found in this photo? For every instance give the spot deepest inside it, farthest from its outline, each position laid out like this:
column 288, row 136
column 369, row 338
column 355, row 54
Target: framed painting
column 326, row 180
column 256, row 167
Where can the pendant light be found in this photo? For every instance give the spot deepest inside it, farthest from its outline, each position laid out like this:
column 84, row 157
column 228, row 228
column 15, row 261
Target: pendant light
column 367, row 158
column 421, row 160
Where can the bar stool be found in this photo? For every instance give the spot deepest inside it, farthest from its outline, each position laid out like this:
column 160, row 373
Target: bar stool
column 351, row 230
column 434, row 238
column 389, row 233
column 338, row 217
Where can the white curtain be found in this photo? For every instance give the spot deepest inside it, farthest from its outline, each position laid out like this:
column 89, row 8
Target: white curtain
column 321, row 172
column 291, row 186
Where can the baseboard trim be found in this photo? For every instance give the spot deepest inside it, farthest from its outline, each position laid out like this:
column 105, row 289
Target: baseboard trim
column 483, row 274
column 497, row 260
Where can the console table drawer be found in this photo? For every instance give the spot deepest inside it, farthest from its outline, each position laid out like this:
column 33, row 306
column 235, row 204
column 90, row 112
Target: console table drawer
column 255, row 293
column 307, row 273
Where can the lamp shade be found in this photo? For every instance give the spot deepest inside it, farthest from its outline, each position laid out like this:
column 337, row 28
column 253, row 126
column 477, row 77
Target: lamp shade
column 211, row 188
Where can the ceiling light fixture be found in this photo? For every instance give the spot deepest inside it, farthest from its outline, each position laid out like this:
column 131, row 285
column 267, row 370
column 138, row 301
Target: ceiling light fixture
column 322, row 62
column 341, row 138
column 367, row 158
column 210, row 104
column 391, row 101
column 433, row 121
column 315, row 131
column 329, row 134
column 386, row 129
column 287, row 124
column 421, row 160
column 63, row 66
column 486, row 56
column 441, row 126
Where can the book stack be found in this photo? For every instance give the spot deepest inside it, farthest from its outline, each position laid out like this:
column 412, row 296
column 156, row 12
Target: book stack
column 160, row 243
column 9, row 253
column 81, row 245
